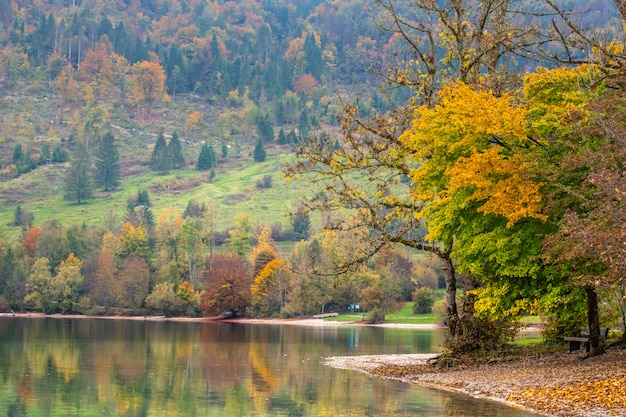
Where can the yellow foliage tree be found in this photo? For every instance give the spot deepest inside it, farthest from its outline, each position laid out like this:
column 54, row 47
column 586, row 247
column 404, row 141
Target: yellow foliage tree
column 262, row 284
column 147, row 84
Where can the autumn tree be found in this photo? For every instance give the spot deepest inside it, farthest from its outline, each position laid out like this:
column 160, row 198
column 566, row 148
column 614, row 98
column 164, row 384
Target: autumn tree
column 147, row 84
column 67, row 89
column 38, row 287
column 135, row 281
column 584, row 168
column 227, row 288
column 240, row 237
column 104, row 289
column 193, row 236
column 67, row 283
column 30, row 241
column 168, row 233
column 164, row 300
column 97, row 69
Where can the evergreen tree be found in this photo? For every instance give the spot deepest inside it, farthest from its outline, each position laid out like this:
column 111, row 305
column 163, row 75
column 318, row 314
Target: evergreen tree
column 265, row 128
column 259, row 151
column 176, row 152
column 224, row 150
column 304, row 125
column 78, row 184
column 107, row 163
column 44, row 154
column 301, row 222
column 313, row 56
column 292, row 137
column 59, row 154
column 17, row 153
column 160, row 160
column 282, row 138
column 206, row 160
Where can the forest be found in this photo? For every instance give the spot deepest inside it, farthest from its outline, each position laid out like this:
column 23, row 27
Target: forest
column 476, row 147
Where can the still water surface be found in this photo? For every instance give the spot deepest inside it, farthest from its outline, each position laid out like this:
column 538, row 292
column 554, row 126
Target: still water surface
column 99, row 367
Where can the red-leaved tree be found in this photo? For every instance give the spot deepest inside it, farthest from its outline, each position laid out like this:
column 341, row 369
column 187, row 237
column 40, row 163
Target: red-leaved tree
column 227, row 288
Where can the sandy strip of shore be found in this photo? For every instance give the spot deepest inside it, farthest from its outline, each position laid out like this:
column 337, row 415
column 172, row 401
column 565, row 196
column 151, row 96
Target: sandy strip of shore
column 293, row 322
column 560, row 384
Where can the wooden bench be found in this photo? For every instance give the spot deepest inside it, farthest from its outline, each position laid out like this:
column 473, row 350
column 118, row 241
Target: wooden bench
column 323, row 316
column 583, row 337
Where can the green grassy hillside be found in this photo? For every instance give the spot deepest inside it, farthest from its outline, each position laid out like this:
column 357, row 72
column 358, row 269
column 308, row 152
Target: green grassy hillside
column 232, row 191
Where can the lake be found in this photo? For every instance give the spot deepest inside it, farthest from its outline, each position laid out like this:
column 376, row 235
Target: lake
column 100, row 367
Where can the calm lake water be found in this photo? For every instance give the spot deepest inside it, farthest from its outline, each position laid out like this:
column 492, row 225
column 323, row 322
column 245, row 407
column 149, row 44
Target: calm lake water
column 99, row 367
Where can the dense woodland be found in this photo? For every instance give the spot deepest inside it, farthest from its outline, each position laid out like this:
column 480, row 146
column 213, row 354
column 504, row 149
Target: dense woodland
column 437, row 148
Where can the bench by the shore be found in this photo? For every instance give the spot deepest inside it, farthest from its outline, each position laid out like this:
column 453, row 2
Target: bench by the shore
column 583, row 337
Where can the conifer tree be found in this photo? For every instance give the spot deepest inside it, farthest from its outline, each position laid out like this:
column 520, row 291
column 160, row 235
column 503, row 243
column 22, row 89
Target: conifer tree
column 206, row 160
column 107, row 163
column 160, row 160
column 259, row 151
column 78, row 184
column 176, row 152
column 282, row 137
column 313, row 56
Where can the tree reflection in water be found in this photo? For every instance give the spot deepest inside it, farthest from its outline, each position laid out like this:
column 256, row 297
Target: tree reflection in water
column 95, row 367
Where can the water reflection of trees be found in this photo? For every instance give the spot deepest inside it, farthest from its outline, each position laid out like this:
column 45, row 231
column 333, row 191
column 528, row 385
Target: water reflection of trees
column 126, row 368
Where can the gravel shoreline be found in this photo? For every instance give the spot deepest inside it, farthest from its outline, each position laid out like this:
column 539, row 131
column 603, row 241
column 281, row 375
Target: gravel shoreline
column 560, row 384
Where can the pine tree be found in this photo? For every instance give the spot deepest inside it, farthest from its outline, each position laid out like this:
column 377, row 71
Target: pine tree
column 206, row 160
column 282, row 138
column 78, row 184
column 264, row 128
column 160, row 160
column 259, row 151
column 176, row 152
column 313, row 56
column 107, row 163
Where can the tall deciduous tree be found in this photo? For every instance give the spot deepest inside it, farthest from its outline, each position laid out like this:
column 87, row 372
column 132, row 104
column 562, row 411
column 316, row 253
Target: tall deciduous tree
column 240, row 238
column 227, row 289
column 107, row 163
column 38, row 287
column 79, row 181
column 147, row 84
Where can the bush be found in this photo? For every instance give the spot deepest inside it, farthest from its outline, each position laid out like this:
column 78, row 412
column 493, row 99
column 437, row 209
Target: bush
column 265, row 182
column 164, row 300
column 376, row 316
column 441, row 311
column 423, row 300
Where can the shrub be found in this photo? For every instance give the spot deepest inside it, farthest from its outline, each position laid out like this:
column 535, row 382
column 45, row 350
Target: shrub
column 164, row 300
column 265, row 182
column 376, row 316
column 423, row 300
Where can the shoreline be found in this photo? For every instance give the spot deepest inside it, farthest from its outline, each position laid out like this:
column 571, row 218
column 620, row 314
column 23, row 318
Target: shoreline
column 291, row 322
column 555, row 385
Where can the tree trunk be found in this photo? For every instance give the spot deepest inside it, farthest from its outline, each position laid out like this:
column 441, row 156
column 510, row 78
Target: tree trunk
column 450, row 277
column 593, row 317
